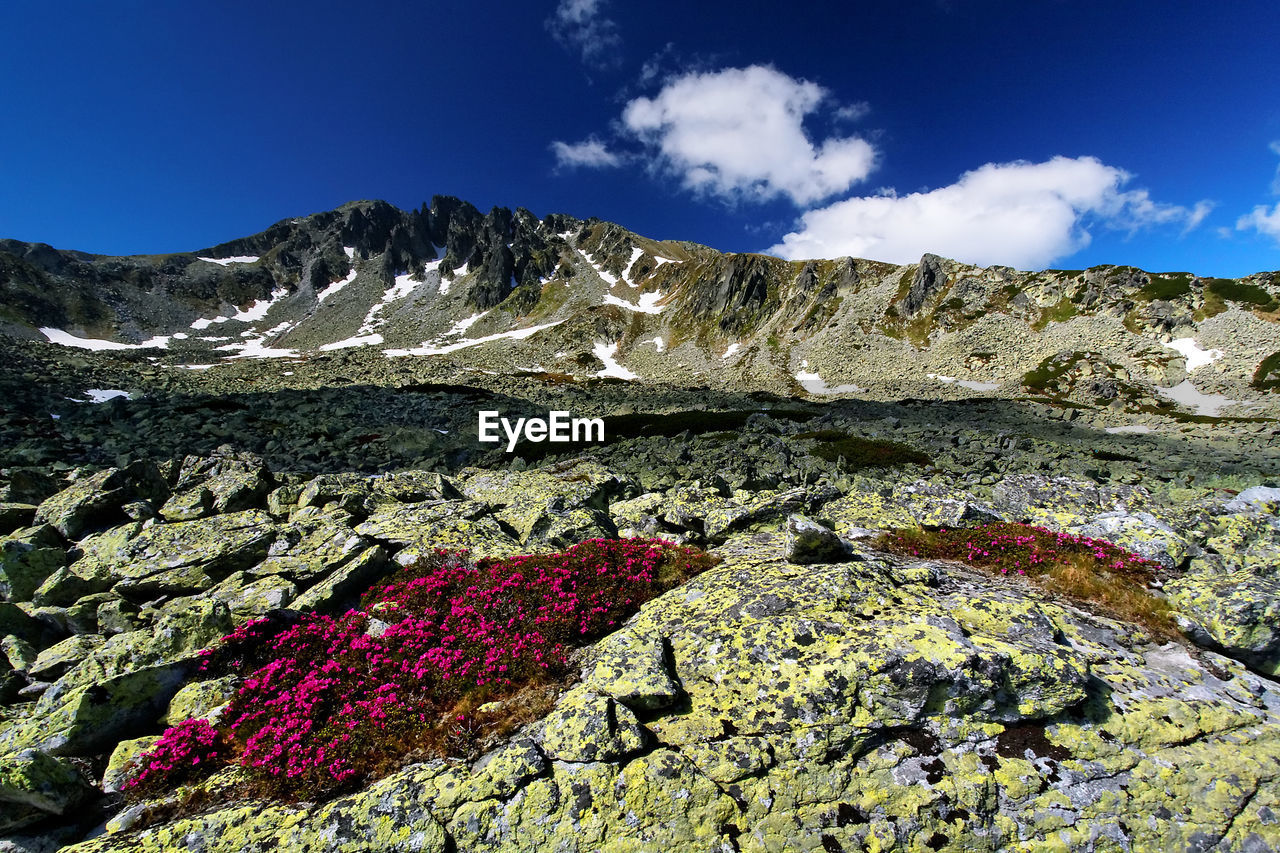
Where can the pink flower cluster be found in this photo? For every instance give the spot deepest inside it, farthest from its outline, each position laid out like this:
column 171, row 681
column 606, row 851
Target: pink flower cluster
column 330, row 697
column 180, row 752
column 1017, row 548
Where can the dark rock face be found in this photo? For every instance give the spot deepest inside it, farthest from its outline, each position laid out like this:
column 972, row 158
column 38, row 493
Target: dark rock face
column 930, row 279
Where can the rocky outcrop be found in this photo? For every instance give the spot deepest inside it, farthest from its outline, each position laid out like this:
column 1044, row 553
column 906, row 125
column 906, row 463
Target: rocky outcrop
column 764, row 706
column 809, row 690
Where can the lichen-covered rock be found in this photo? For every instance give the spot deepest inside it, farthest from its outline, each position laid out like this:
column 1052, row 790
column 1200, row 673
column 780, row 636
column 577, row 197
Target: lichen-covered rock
column 537, row 503
column 33, row 780
column 586, row 726
column 98, row 499
column 1142, row 533
column 199, row 699
column 58, row 658
column 208, row 548
column 121, row 767
column 27, row 557
column 20, row 654
column 345, row 583
column 308, row 549
column 222, row 483
column 1059, row 502
column 811, row 542
column 66, row 586
column 422, row 528
column 14, row 516
column 121, row 686
column 877, row 704
column 17, row 622
column 413, row 486
column 248, row 598
column 345, row 491
column 868, row 505
column 633, row 670
column 639, row 516
column 1236, row 611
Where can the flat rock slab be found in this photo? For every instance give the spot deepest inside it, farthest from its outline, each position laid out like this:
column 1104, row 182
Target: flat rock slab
column 218, row 545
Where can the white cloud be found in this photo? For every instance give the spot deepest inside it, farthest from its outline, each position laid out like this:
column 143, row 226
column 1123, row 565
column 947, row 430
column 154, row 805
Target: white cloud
column 590, row 153
column 580, row 25
column 1261, row 220
column 1018, row 214
column 738, row 133
column 1275, row 183
column 1266, row 222
column 853, row 112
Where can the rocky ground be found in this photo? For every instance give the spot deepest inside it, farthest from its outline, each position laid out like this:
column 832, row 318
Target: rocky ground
column 864, row 701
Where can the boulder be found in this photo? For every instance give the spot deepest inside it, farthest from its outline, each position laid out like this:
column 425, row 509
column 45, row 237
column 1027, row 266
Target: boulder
column 1141, row 533
column 15, row 515
column 586, row 726
column 34, row 785
column 189, row 554
column 1236, row 611
column 810, row 542
column 25, row 565
column 199, row 699
column 98, row 499
column 121, row 767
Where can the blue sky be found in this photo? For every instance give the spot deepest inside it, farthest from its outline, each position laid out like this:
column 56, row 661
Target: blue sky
column 1060, row 133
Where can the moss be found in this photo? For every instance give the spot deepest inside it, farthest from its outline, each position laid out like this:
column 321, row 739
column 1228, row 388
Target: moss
column 1267, row 376
column 1048, row 372
column 1063, row 311
column 1166, row 286
column 1238, row 291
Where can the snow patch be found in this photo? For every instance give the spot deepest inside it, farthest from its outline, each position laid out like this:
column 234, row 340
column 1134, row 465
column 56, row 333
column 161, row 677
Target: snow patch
column 430, row 348
column 256, row 348
column 399, row 289
column 238, row 259
column 1192, row 352
column 814, row 384
column 197, row 366
column 66, row 339
column 351, row 253
column 1186, row 394
column 1129, row 429
column 606, row 352
column 965, row 383
column 648, row 302
column 658, row 344
column 259, row 308
column 102, row 395
column 336, row 286
column 636, row 254
column 358, row 341
column 731, row 351
column 462, row 325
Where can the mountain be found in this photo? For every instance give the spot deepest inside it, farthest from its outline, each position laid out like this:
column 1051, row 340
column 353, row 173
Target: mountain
column 583, row 297
column 862, row 557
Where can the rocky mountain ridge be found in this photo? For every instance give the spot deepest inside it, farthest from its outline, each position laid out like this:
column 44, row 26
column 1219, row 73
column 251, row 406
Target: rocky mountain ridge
column 585, row 298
